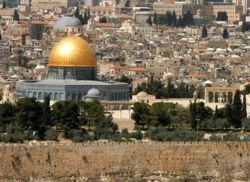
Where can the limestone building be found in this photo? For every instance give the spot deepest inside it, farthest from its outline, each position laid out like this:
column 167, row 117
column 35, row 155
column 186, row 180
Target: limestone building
column 71, row 75
column 179, row 8
column 50, row 4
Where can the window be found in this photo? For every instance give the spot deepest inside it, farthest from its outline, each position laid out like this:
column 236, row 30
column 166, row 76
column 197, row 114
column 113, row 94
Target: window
column 79, row 96
column 74, row 96
column 68, row 96
column 40, row 96
column 56, row 96
column 61, row 96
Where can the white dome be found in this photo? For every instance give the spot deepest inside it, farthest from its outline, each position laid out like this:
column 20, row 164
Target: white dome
column 39, row 67
column 66, row 21
column 142, row 94
column 93, row 92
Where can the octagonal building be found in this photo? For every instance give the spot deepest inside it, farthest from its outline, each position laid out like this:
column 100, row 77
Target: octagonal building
column 71, row 74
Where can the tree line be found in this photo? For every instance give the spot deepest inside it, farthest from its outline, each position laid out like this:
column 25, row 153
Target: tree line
column 83, row 18
column 29, row 119
column 160, row 90
column 170, row 19
column 172, row 116
column 204, row 33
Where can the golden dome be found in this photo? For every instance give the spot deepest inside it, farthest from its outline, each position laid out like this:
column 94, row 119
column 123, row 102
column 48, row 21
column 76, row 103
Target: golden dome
column 72, row 51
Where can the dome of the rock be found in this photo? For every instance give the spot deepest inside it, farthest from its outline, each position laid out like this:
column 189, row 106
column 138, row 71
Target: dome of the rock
column 72, row 51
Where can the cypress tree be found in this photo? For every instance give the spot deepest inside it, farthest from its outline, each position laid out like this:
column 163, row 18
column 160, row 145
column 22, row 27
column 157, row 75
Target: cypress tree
column 46, row 117
column 237, row 110
column 4, row 4
column 169, row 18
column 225, row 34
column 149, row 20
column 174, row 19
column 155, row 18
column 229, row 113
column 171, row 91
column 216, row 113
column 204, row 32
column 180, row 22
column 16, row 16
column 77, row 12
column 244, row 107
column 192, row 110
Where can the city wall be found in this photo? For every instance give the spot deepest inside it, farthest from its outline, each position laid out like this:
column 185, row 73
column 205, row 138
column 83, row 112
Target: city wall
column 40, row 160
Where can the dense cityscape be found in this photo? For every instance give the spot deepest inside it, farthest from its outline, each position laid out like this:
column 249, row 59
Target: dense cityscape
column 105, row 72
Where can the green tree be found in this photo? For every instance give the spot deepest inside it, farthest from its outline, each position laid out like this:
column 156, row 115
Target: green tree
column 198, row 113
column 216, row 112
column 7, row 113
column 247, row 89
column 188, row 18
column 193, row 116
column 85, row 18
column 246, row 123
column 236, row 110
column 160, row 115
column 88, row 14
column 204, row 32
column 28, row 114
column 105, row 129
column 103, row 20
column 191, row 90
column 124, row 79
column 169, row 18
column 155, row 18
column 180, row 22
column 180, row 90
column 171, row 91
column 4, row 4
column 141, row 114
column 174, row 19
column 225, row 34
column 244, row 107
column 141, row 87
column 149, row 20
column 45, row 118
column 127, row 3
column 91, row 113
column 16, row 15
column 65, row 115
column 77, row 12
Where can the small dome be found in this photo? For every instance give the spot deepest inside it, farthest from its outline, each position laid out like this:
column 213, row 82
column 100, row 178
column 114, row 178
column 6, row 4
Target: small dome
column 39, row 67
column 66, row 21
column 142, row 94
column 93, row 92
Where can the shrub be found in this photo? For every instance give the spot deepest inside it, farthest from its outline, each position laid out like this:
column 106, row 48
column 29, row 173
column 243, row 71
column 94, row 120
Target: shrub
column 246, row 123
column 208, row 124
column 12, row 138
column 125, row 133
column 163, row 134
column 78, row 135
column 137, row 135
column 221, row 123
column 215, row 138
column 51, row 134
column 231, row 137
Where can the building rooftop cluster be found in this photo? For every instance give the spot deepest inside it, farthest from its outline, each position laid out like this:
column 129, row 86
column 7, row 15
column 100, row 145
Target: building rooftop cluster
column 127, row 41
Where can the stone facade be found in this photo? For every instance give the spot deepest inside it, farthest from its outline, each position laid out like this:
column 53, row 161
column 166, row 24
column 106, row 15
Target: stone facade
column 58, row 161
column 219, row 94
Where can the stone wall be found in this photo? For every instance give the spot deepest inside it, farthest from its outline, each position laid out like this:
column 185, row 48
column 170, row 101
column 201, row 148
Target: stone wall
column 41, row 160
